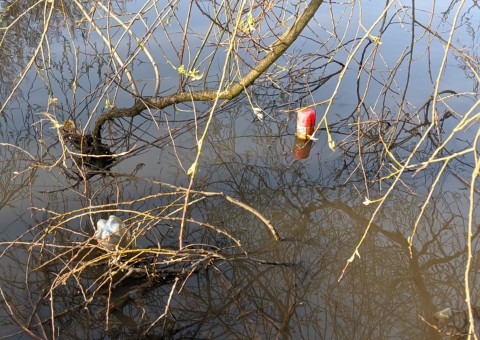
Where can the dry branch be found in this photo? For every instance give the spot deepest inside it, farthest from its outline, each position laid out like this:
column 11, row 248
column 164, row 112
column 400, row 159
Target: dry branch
column 276, row 51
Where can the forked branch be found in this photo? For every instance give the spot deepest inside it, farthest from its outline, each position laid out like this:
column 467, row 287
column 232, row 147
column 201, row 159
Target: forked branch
column 276, row 51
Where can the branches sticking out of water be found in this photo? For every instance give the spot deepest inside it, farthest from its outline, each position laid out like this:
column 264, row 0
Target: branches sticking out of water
column 65, row 254
column 275, row 51
column 104, row 283
column 392, row 145
column 119, row 79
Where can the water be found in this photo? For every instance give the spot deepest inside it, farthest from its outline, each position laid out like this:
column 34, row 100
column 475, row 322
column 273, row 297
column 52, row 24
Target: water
column 233, row 279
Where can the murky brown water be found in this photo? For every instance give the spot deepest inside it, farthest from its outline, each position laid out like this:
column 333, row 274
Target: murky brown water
column 244, row 283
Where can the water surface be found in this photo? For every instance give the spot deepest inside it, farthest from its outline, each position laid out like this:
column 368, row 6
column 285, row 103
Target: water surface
column 234, row 280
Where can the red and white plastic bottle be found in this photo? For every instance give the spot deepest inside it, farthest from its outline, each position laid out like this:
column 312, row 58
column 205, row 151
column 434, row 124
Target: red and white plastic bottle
column 305, row 123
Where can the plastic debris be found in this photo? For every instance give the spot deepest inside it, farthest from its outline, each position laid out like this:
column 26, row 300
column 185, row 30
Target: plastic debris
column 305, row 123
column 112, row 233
column 444, row 314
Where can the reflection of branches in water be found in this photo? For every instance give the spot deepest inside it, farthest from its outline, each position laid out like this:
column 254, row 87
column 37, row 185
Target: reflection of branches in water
column 380, row 144
column 13, row 179
column 125, row 289
column 82, row 66
column 431, row 144
column 387, row 134
column 238, row 298
column 403, row 282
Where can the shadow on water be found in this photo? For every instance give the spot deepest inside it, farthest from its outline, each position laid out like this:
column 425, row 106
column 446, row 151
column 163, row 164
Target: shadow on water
column 231, row 278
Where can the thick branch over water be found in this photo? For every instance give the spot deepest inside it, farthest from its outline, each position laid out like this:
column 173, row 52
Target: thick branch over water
column 276, row 51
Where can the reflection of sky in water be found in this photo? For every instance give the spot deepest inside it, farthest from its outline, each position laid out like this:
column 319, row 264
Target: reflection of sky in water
column 253, row 140
column 253, row 161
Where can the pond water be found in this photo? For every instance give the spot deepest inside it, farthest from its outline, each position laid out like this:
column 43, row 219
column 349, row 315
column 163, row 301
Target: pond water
column 232, row 278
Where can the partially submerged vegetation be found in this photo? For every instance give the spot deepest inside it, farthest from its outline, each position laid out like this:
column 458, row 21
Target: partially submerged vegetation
column 204, row 58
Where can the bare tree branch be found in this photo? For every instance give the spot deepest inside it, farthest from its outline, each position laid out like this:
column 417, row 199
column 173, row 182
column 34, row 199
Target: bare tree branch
column 276, row 51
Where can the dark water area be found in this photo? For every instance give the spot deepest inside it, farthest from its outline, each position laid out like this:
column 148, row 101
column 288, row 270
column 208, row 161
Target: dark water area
column 348, row 265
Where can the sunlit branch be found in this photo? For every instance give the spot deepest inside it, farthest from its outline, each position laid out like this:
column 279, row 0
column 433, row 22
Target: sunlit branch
column 276, row 51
